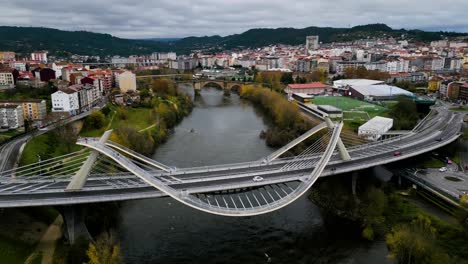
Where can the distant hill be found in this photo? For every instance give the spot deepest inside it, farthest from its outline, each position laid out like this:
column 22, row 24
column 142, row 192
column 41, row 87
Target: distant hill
column 163, row 39
column 63, row 43
column 59, row 42
column 265, row 36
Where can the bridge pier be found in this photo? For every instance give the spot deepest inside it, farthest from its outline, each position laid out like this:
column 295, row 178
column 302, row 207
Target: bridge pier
column 341, row 147
column 353, row 183
column 74, row 223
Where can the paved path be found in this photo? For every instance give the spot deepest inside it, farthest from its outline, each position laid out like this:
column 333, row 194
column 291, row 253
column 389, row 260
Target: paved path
column 144, row 129
column 47, row 244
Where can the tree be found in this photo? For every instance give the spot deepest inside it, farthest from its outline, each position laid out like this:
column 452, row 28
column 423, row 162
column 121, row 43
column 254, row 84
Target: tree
column 66, row 134
column 287, row 78
column 106, row 110
column 163, row 87
column 404, row 114
column 415, row 243
column 104, row 251
column 95, row 120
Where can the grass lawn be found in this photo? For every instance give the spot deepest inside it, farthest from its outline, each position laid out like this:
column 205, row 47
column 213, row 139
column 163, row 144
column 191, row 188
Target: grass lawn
column 360, row 116
column 8, row 134
column 350, row 104
column 138, row 118
column 459, row 108
column 432, row 163
column 40, row 146
column 353, row 125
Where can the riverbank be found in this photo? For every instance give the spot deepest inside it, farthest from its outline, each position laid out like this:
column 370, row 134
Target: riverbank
column 384, row 212
column 141, row 128
column 286, row 121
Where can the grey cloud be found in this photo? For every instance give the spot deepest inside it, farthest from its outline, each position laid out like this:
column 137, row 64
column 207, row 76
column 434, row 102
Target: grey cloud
column 176, row 18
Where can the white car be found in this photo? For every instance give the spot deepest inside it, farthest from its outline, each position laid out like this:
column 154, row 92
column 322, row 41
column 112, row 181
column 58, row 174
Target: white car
column 257, row 179
column 443, row 169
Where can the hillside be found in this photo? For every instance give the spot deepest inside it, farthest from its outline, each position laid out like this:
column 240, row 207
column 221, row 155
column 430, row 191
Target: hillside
column 63, row 43
column 265, row 36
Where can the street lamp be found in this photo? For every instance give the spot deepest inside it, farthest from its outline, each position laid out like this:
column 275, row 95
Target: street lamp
column 40, row 165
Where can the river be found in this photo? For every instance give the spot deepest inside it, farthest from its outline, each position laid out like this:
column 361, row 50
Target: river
column 222, row 130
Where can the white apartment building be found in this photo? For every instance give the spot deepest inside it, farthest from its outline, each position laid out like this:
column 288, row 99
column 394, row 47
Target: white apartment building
column 6, row 80
column 39, row 56
column 65, row 100
column 126, row 82
column 57, row 67
column 379, row 65
column 437, row 64
column 19, row 65
column 396, row 66
column 11, row 116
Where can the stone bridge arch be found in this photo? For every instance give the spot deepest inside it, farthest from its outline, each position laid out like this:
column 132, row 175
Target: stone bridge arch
column 213, row 83
column 224, row 85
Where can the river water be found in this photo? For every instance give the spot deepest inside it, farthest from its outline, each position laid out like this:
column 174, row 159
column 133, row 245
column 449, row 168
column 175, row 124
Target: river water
column 222, row 130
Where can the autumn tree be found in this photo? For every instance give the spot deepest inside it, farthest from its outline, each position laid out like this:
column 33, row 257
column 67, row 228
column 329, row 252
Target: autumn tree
column 104, row 251
column 319, row 76
column 163, row 87
column 415, row 243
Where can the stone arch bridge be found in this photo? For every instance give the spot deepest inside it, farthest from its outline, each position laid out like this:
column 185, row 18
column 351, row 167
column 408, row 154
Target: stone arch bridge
column 225, row 85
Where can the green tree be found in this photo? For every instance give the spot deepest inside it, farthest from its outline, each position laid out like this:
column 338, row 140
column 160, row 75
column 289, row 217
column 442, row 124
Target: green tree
column 95, row 120
column 66, row 134
column 404, row 114
column 287, row 78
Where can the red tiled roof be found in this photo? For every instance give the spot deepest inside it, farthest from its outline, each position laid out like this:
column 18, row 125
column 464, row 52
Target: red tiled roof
column 314, row 85
column 465, row 85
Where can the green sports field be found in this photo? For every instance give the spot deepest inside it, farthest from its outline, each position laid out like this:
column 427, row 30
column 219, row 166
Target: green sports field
column 350, row 104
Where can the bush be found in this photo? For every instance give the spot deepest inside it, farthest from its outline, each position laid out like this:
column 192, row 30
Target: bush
column 96, row 120
column 106, row 110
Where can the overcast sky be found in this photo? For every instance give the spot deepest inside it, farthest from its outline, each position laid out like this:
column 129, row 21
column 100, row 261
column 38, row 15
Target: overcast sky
column 181, row 18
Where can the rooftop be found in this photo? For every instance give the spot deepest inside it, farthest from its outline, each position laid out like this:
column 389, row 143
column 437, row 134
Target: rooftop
column 352, row 82
column 307, row 85
column 381, row 90
column 376, row 123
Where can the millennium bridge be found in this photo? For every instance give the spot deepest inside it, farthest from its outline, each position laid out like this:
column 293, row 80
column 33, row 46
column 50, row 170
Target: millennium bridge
column 105, row 171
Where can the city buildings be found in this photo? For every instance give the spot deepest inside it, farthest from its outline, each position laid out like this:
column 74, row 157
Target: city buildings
column 7, row 56
column 312, row 43
column 32, row 109
column 40, row 56
column 8, row 78
column 11, row 116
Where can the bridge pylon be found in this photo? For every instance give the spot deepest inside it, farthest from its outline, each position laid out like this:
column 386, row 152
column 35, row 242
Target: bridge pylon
column 79, row 179
column 344, row 154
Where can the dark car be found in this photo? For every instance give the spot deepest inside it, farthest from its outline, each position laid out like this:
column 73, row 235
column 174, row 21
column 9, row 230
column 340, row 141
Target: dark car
column 397, row 153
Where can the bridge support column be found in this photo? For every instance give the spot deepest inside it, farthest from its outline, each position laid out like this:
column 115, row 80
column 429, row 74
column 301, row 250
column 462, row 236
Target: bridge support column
column 341, row 147
column 74, row 224
column 353, row 183
column 79, row 179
